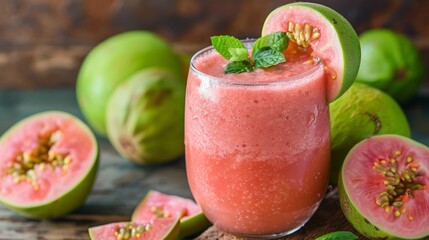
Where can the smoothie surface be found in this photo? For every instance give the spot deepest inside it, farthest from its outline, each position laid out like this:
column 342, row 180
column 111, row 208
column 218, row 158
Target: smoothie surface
column 297, row 63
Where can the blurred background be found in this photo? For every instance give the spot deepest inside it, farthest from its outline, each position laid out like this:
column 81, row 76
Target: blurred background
column 43, row 42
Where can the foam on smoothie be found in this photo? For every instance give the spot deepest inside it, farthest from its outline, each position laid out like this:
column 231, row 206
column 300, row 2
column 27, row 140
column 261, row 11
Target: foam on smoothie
column 213, row 64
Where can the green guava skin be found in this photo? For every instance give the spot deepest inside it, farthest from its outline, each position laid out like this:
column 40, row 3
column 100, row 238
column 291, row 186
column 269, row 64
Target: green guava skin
column 67, row 203
column 362, row 112
column 359, row 222
column 353, row 215
column 193, row 225
column 112, row 62
column 391, row 62
column 348, row 39
column 145, row 117
column 71, row 200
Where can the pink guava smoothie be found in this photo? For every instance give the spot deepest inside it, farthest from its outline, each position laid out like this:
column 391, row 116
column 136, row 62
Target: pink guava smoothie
column 257, row 144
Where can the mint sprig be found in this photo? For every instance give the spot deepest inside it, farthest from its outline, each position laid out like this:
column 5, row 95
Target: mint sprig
column 267, row 51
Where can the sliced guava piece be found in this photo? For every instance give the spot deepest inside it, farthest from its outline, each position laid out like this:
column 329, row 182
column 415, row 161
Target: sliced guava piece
column 158, row 205
column 362, row 112
column 155, row 229
column 383, row 188
column 48, row 164
column 327, row 34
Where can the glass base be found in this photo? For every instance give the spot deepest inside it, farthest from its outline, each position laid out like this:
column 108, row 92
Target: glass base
column 268, row 236
column 277, row 235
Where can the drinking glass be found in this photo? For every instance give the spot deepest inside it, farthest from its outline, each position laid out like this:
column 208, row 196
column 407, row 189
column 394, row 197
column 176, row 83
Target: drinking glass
column 257, row 150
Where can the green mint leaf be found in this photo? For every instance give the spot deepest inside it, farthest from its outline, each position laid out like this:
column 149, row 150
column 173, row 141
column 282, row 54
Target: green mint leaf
column 267, row 51
column 239, row 54
column 223, row 43
column 267, row 57
column 238, row 67
column 277, row 41
column 340, row 235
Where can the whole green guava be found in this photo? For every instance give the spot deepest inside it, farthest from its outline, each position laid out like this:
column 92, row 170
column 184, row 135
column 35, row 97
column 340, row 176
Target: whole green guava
column 145, row 117
column 114, row 60
column 390, row 62
column 362, row 112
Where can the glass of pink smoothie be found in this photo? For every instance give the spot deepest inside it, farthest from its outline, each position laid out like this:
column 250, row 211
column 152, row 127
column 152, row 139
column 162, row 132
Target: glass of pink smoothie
column 257, row 144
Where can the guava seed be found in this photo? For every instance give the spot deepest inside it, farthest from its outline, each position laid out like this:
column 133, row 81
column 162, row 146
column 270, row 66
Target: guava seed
column 131, row 230
column 159, row 212
column 302, row 35
column 399, row 183
column 330, row 72
column 25, row 163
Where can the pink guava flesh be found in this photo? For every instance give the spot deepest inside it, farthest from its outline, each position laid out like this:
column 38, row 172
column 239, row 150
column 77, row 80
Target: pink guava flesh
column 50, row 182
column 367, row 174
column 154, row 229
column 158, row 205
column 325, row 47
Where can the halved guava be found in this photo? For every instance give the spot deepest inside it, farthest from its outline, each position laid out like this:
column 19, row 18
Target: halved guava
column 383, row 188
column 48, row 164
column 362, row 112
column 327, row 34
column 158, row 205
column 155, row 229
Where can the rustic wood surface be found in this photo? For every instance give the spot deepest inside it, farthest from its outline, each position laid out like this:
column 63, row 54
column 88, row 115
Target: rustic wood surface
column 120, row 185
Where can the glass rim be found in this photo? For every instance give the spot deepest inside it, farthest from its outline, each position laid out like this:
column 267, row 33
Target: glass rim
column 245, row 81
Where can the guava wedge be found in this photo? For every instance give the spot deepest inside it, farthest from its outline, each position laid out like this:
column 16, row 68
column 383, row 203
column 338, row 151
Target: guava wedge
column 155, row 229
column 158, row 205
column 362, row 112
column 113, row 61
column 383, row 188
column 48, row 164
column 327, row 34
column 145, row 117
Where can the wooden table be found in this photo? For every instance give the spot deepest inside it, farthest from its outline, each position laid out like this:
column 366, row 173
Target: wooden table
column 120, row 185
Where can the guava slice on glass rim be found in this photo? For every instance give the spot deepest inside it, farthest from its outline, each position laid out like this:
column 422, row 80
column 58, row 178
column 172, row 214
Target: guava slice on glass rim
column 159, row 205
column 48, row 164
column 330, row 37
column 384, row 188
